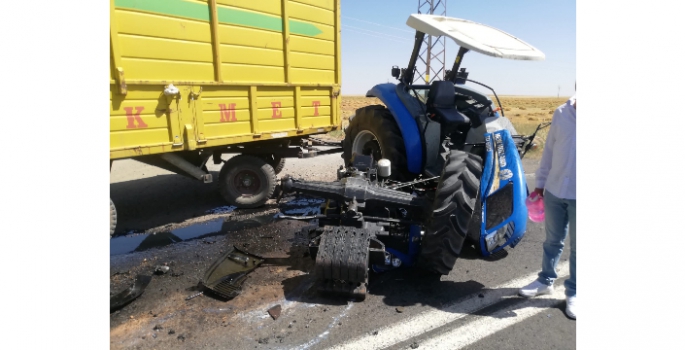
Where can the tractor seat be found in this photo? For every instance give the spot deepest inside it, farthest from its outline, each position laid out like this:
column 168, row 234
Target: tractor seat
column 441, row 104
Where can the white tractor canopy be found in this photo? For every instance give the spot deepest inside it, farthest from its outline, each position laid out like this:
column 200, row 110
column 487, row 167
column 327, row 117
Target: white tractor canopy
column 476, row 37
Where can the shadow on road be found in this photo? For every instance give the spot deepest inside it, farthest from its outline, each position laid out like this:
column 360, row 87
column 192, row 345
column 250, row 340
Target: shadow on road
column 302, row 288
column 470, row 252
column 159, row 200
column 413, row 286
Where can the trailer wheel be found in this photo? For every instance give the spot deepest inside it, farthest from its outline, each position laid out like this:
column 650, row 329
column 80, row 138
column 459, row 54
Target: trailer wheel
column 453, row 206
column 277, row 163
column 373, row 131
column 112, row 218
column 247, row 181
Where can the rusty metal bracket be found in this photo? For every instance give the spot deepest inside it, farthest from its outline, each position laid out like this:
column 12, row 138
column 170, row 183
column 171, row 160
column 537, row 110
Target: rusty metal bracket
column 193, row 95
column 123, row 89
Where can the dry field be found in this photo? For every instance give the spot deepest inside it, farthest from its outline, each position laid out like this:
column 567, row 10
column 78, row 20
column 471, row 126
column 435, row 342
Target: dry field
column 525, row 112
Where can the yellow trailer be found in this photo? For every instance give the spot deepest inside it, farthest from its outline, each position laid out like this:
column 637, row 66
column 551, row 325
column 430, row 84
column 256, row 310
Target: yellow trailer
column 193, row 79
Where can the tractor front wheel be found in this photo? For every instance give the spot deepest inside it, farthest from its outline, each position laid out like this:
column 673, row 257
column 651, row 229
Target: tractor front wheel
column 247, row 181
column 453, row 206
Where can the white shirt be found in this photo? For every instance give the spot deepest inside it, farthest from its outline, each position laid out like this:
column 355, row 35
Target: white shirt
column 557, row 172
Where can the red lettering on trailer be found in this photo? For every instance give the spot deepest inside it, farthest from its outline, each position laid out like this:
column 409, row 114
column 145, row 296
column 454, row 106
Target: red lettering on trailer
column 276, row 106
column 316, row 105
column 228, row 114
column 130, row 117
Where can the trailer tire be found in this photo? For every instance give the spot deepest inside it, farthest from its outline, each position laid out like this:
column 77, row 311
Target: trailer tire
column 112, row 218
column 247, row 181
column 455, row 199
column 376, row 123
column 277, row 163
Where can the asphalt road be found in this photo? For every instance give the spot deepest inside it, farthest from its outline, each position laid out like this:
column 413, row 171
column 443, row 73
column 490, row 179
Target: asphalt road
column 166, row 218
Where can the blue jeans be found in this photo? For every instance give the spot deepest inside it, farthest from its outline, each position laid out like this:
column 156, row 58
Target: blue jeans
column 560, row 218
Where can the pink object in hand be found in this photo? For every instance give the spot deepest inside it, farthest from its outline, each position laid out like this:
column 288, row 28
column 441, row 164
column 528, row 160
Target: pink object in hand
column 536, row 208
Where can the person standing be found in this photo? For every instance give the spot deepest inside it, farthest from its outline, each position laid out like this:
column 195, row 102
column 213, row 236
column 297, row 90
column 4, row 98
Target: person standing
column 555, row 182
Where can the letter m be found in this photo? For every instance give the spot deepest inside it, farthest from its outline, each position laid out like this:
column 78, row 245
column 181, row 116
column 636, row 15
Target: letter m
column 227, row 114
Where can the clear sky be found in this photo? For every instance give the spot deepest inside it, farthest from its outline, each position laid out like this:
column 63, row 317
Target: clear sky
column 375, row 37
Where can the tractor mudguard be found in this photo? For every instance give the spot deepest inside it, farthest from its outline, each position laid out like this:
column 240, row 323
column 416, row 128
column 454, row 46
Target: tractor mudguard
column 503, row 194
column 405, row 121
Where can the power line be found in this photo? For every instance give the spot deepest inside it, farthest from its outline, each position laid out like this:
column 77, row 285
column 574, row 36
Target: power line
column 380, row 33
column 377, row 36
column 433, row 57
column 377, row 24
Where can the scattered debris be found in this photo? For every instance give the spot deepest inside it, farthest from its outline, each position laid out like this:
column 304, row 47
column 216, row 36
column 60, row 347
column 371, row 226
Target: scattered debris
column 157, row 328
column 181, row 338
column 176, row 274
column 264, row 340
column 129, row 294
column 399, row 309
column 414, row 345
column 195, row 295
column 375, row 333
column 160, row 270
column 275, row 312
column 227, row 274
column 221, row 210
column 480, row 295
column 171, row 331
column 154, row 335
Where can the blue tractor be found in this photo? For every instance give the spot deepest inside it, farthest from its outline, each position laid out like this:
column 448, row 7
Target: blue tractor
column 435, row 167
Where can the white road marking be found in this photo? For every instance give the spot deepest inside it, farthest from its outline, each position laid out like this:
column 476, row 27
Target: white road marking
column 484, row 326
column 325, row 334
column 417, row 325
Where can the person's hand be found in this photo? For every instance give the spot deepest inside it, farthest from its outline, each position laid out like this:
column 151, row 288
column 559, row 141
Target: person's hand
column 539, row 191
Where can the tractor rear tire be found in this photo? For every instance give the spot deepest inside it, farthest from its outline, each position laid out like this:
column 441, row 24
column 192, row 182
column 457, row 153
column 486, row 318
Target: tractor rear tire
column 373, row 131
column 453, row 207
column 112, row 218
column 247, row 181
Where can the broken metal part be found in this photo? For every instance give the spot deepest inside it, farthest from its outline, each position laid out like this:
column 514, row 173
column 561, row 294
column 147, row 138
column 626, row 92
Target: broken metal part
column 226, row 275
column 353, row 188
column 129, row 294
column 413, row 182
